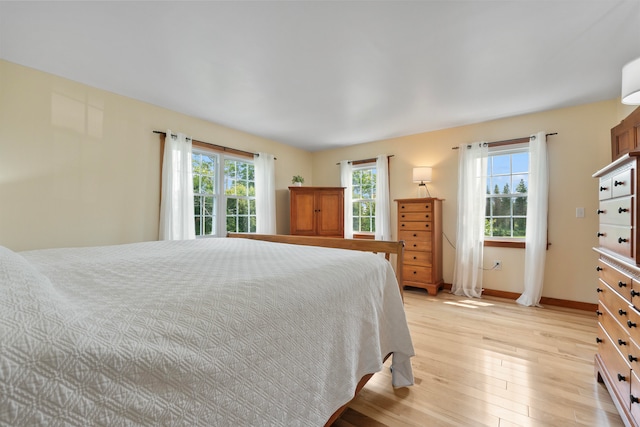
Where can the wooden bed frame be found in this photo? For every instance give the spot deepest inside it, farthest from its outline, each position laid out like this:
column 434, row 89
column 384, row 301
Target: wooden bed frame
column 376, row 246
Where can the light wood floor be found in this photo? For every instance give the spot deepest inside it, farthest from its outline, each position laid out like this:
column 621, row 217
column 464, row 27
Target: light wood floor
column 490, row 362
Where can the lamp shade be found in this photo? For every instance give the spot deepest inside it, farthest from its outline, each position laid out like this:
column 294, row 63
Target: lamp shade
column 422, row 174
column 631, row 83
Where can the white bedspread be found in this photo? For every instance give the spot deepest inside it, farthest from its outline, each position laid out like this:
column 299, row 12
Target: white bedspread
column 211, row 332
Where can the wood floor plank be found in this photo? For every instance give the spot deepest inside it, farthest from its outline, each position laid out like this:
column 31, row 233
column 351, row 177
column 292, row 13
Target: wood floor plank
column 490, row 362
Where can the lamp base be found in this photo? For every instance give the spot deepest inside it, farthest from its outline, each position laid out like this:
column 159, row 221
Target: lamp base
column 422, row 190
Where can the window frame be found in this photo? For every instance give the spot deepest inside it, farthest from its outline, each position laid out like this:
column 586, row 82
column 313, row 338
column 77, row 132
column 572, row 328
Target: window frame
column 220, row 198
column 503, row 147
column 358, row 166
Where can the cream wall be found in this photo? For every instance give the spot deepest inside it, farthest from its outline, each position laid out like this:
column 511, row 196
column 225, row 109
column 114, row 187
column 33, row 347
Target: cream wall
column 81, row 166
column 581, row 147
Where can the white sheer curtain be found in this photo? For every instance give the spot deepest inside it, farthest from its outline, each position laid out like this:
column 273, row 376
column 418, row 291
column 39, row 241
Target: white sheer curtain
column 472, row 182
column 346, row 181
column 265, row 180
column 383, row 213
column 176, row 200
column 536, row 233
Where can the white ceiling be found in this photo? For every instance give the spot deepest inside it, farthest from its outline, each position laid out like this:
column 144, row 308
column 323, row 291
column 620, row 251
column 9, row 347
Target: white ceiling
column 324, row 74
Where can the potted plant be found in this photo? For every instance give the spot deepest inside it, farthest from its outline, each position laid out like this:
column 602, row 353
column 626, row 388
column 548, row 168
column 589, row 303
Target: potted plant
column 297, row 180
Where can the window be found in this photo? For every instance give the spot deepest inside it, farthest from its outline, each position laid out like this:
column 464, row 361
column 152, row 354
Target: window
column 363, row 197
column 224, row 197
column 240, row 194
column 507, row 183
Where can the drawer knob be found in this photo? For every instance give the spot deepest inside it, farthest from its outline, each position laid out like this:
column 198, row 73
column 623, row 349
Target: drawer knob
column 415, row 257
column 621, row 342
column 599, row 211
column 631, row 324
column 604, row 188
column 415, row 235
column 634, row 293
column 600, row 234
column 622, row 240
column 598, row 268
column 616, row 183
column 621, row 284
column 621, row 312
column 415, row 272
column 599, row 340
column 621, row 210
column 634, row 399
column 621, row 377
column 632, row 358
column 598, row 313
column 600, row 290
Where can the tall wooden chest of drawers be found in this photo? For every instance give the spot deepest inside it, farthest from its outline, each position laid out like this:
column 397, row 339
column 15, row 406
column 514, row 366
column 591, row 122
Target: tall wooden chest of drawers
column 617, row 361
column 420, row 226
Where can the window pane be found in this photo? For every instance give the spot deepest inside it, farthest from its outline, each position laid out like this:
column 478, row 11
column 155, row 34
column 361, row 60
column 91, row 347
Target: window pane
column 231, row 224
column 520, row 206
column 502, row 227
column 197, row 226
column 501, row 164
column 520, row 183
column 208, row 225
column 502, row 206
column 520, row 162
column 519, row 227
column 232, row 206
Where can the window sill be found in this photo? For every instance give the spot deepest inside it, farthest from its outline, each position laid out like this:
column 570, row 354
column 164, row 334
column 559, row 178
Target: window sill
column 505, row 243
column 368, row 236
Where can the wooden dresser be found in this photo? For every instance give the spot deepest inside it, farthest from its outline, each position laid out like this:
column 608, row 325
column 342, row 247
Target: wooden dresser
column 617, row 361
column 420, row 226
column 317, row 211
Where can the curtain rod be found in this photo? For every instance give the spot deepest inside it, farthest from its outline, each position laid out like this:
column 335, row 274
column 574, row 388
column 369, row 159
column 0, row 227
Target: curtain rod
column 219, row 147
column 371, row 160
column 509, row 141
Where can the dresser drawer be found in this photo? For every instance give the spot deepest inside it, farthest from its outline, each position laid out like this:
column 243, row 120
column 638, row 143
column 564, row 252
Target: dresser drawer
column 415, row 225
column 417, row 258
column 409, row 236
column 616, row 304
column 604, row 191
column 622, row 183
column 416, row 216
column 414, row 273
column 616, row 332
column 616, row 279
column 616, row 238
column 415, row 207
column 634, row 397
column 633, row 324
column 616, row 211
column 616, row 366
column 634, row 355
column 415, row 245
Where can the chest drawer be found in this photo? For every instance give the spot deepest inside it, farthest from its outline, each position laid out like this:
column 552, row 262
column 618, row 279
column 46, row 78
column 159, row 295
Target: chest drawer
column 417, row 258
column 409, row 236
column 604, row 190
column 416, row 216
column 622, row 183
column 616, row 211
column 426, row 206
column 617, row 333
column 414, row 273
column 616, row 279
column 618, row 306
column 415, row 225
column 616, row 238
column 611, row 275
column 634, row 397
column 616, row 366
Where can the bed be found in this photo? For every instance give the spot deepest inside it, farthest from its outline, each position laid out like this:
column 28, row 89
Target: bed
column 218, row 331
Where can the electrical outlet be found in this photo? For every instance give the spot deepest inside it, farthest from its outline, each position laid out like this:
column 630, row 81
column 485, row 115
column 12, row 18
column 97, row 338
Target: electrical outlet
column 497, row 265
